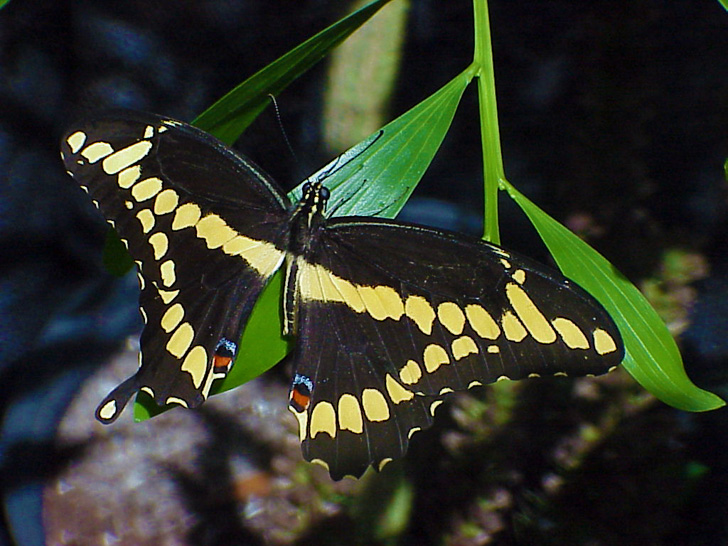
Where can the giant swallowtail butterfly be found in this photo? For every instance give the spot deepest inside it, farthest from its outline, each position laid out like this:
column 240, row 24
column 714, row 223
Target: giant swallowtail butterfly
column 389, row 318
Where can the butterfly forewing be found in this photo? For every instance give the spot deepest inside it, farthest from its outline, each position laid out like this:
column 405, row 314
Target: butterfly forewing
column 394, row 317
column 202, row 225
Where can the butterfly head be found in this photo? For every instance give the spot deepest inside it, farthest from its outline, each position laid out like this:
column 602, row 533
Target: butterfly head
column 313, row 201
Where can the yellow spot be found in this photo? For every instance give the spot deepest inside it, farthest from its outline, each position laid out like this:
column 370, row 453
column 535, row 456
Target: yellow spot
column 350, row 417
column 349, row 294
column 451, row 317
column 411, row 373
column 172, row 317
column 383, row 463
column 239, row 245
column 502, row 378
column 434, row 406
column 214, row 231
column 126, row 157
column 166, row 201
column 375, row 405
column 561, row 374
column 143, row 313
column 265, row 258
column 160, row 244
column 320, row 462
column 75, row 141
column 302, row 419
column 512, row 327
column 146, row 189
column 464, row 346
column 84, row 188
column 97, row 150
column 142, row 284
column 195, row 364
column 391, row 301
column 129, row 176
column 208, row 383
column 570, row 333
column 493, row 349
column 123, row 241
column 481, row 322
column 506, row 263
column 474, row 384
column 146, row 219
column 420, row 311
column 532, row 318
column 167, row 295
column 186, row 216
column 167, row 272
column 434, row 357
column 519, row 276
column 534, row 375
column 319, row 284
column 149, row 132
column 129, row 205
column 181, row 340
column 397, row 393
column 108, row 410
column 603, row 342
column 148, row 390
column 412, row 431
column 323, row 419
column 381, row 302
column 176, row 400
column 262, row 256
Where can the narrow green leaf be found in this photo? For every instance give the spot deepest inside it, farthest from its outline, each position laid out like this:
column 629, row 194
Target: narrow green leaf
column 231, row 115
column 377, row 176
column 724, row 3
column 3, row 3
column 652, row 356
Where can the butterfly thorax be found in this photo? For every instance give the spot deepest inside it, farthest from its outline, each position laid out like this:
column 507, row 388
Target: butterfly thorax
column 306, row 223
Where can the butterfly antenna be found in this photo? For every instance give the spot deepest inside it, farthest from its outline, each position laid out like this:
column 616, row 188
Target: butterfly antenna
column 283, row 129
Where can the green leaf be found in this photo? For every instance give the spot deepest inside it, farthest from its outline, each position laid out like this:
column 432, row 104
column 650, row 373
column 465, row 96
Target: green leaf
column 724, row 3
column 652, row 356
column 3, row 3
column 378, row 175
column 231, row 115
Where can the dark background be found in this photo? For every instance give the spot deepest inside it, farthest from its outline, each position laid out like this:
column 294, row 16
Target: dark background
column 613, row 119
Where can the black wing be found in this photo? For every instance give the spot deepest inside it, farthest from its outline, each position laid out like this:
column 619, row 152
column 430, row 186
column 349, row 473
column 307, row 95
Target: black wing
column 206, row 230
column 393, row 317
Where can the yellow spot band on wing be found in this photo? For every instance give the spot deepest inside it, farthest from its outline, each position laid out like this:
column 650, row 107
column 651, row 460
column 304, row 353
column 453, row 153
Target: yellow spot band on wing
column 195, row 364
column 375, row 405
column 323, row 419
column 603, row 342
column 530, row 315
column 350, row 417
column 126, row 157
column 570, row 333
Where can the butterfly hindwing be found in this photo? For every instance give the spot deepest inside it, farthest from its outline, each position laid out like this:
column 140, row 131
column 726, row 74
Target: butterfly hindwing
column 201, row 223
column 433, row 314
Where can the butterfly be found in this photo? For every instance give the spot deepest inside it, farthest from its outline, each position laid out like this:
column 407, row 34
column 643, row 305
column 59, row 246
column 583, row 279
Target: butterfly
column 389, row 318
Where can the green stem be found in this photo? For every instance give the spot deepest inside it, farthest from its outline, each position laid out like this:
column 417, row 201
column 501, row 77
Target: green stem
column 493, row 171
